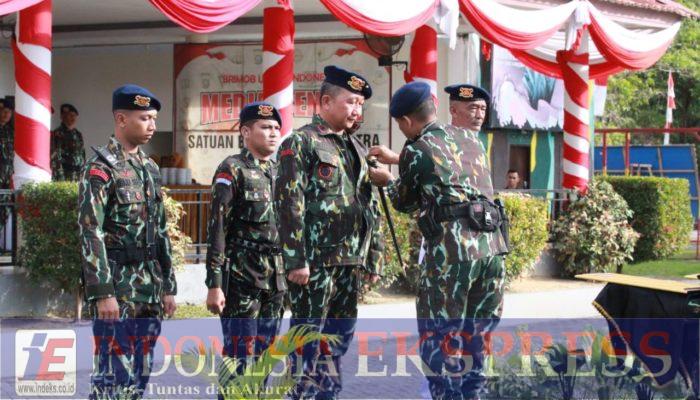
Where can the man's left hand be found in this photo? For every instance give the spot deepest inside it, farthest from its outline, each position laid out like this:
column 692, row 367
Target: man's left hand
column 169, row 305
column 380, row 176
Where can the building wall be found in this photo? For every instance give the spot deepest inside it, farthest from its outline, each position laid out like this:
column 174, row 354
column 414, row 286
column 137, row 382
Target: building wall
column 7, row 73
column 86, row 77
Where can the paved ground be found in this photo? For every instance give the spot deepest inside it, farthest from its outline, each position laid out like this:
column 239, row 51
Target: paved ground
column 374, row 367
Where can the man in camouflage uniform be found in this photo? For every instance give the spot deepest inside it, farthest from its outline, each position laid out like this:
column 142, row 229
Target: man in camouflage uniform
column 129, row 280
column 67, row 147
column 243, row 228
column 442, row 173
column 7, row 155
column 328, row 226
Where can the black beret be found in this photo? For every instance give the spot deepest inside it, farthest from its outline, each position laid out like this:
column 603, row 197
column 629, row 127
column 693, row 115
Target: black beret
column 70, row 108
column 408, row 97
column 259, row 110
column 348, row 80
column 133, row 97
column 464, row 92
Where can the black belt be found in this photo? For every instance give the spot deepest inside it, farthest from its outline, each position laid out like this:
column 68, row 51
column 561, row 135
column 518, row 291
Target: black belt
column 133, row 254
column 452, row 212
column 264, row 248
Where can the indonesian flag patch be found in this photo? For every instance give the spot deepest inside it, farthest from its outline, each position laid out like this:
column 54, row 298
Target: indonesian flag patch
column 99, row 174
column 223, row 177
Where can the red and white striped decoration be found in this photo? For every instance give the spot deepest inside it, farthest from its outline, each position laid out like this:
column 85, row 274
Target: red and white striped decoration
column 423, row 58
column 32, row 54
column 278, row 62
column 575, row 70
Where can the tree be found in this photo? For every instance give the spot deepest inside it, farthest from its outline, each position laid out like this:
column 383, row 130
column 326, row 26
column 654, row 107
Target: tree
column 638, row 99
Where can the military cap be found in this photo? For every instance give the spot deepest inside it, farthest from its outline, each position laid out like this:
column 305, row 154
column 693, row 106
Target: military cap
column 464, row 92
column 8, row 104
column 70, row 108
column 408, row 97
column 259, row 110
column 348, row 80
column 133, row 97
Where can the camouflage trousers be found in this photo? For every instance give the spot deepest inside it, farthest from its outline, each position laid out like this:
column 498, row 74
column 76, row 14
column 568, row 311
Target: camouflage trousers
column 124, row 351
column 457, row 305
column 250, row 320
column 328, row 304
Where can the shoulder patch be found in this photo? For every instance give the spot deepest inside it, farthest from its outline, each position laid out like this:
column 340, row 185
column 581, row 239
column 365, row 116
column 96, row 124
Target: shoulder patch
column 98, row 173
column 223, row 178
column 286, row 152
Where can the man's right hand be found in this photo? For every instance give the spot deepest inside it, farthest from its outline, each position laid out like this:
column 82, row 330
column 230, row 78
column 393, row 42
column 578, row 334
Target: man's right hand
column 216, row 301
column 384, row 154
column 107, row 309
column 299, row 276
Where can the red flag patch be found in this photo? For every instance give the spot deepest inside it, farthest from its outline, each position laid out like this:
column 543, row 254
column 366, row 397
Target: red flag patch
column 223, row 177
column 286, row 152
column 100, row 174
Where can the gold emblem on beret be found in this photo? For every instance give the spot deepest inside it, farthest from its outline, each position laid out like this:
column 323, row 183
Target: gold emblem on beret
column 264, row 110
column 466, row 92
column 142, row 101
column 356, row 83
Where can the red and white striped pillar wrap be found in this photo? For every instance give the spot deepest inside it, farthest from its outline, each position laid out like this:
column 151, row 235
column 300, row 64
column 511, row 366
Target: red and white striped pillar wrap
column 278, row 62
column 423, row 58
column 575, row 70
column 32, row 55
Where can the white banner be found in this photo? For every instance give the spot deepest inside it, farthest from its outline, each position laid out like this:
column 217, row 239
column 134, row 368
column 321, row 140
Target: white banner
column 213, row 82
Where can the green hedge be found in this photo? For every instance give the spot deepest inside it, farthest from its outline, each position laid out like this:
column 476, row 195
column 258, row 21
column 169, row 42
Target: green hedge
column 661, row 213
column 529, row 218
column 50, row 247
column 528, row 234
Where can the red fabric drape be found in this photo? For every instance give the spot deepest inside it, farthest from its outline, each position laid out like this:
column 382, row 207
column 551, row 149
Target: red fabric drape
column 597, row 71
column 423, row 58
column 500, row 34
column 206, row 16
column 367, row 24
column 10, row 6
column 624, row 58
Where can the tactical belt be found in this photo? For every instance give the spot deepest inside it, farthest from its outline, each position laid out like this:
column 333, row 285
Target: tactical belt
column 481, row 214
column 132, row 254
column 263, row 248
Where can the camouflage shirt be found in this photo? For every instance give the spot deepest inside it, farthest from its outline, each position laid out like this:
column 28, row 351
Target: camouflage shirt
column 7, row 154
column 67, row 153
column 242, row 215
column 327, row 211
column 446, row 165
column 121, row 211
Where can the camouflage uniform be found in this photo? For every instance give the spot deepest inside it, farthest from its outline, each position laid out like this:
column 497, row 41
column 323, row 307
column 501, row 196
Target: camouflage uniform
column 7, row 154
column 461, row 283
column 126, row 254
column 328, row 221
column 67, row 154
column 243, row 228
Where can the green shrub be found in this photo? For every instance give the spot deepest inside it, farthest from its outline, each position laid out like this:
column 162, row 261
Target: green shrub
column 662, row 213
column 50, row 249
column 529, row 218
column 594, row 235
column 528, row 233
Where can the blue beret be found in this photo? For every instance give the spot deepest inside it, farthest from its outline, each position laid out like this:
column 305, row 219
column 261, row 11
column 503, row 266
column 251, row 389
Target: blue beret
column 464, row 92
column 259, row 110
column 348, row 80
column 70, row 108
column 408, row 97
column 133, row 97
